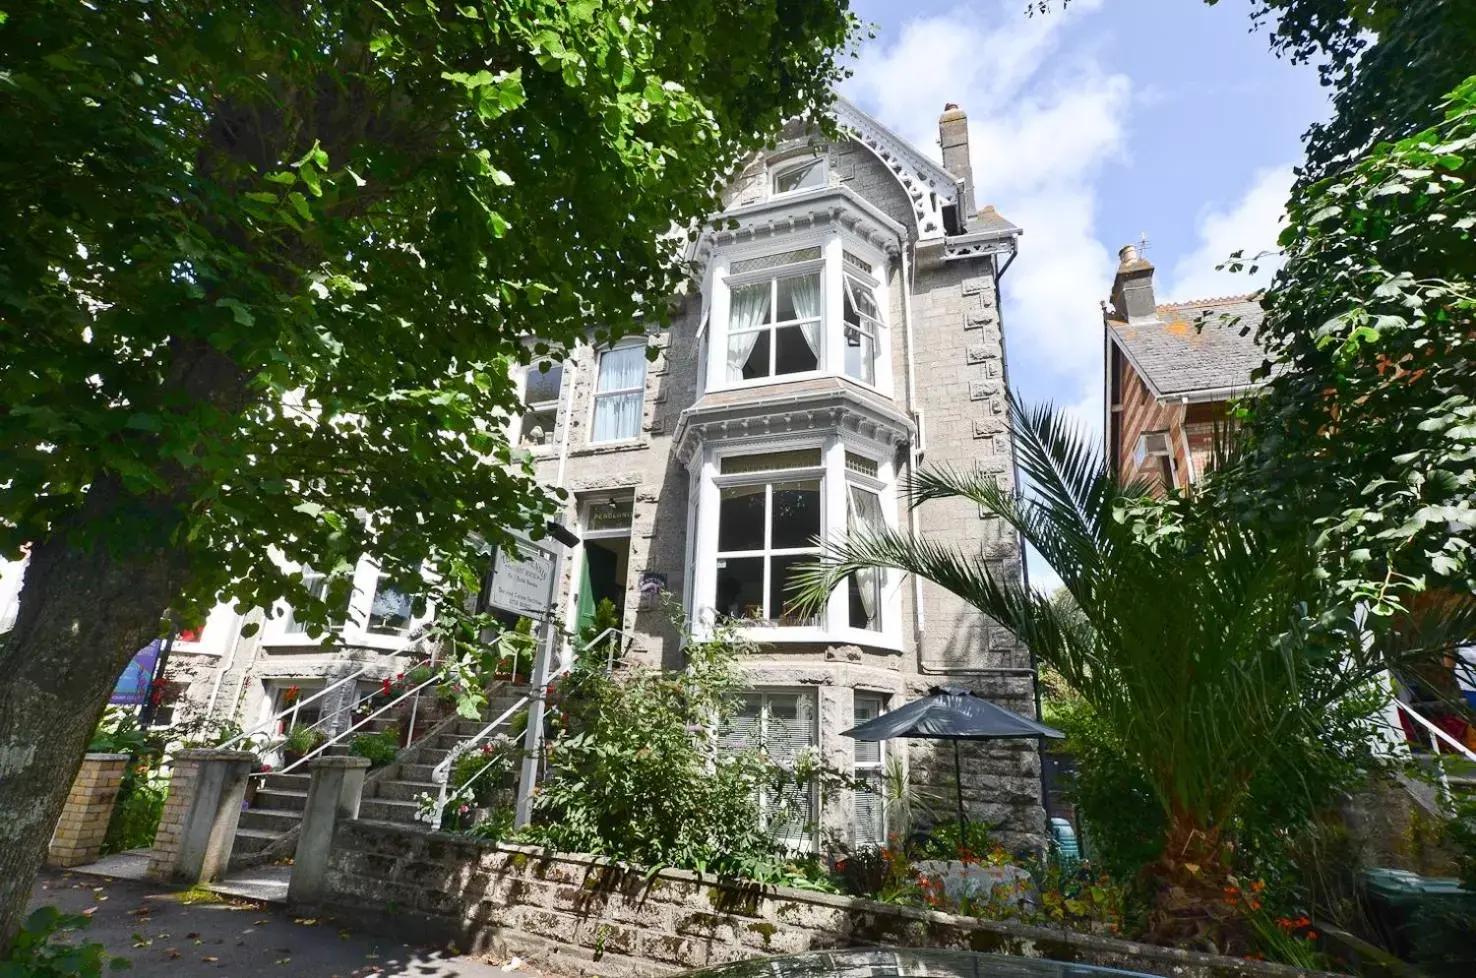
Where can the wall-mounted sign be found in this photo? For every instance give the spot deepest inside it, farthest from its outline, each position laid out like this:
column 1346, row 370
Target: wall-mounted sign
column 523, row 580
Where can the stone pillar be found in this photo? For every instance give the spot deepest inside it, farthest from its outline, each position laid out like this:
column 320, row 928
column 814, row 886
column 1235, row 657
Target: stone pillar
column 837, row 712
column 198, row 827
column 84, row 819
column 333, row 796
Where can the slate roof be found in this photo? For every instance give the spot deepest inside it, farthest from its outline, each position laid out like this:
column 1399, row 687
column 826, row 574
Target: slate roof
column 989, row 219
column 1176, row 355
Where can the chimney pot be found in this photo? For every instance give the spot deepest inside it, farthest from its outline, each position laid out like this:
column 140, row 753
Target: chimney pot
column 1128, row 254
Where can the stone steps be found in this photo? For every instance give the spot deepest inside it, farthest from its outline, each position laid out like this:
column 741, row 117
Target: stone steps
column 280, row 799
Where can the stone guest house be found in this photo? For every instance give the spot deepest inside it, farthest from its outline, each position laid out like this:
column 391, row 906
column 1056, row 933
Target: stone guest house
column 844, row 330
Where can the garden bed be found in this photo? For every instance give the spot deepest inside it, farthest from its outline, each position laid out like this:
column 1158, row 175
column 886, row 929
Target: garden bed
column 583, row 914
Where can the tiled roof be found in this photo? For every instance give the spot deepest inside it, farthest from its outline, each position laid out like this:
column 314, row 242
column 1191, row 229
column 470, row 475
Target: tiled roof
column 1205, row 345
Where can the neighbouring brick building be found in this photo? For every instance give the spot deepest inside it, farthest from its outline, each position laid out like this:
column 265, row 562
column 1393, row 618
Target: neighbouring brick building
column 1171, row 371
column 843, row 329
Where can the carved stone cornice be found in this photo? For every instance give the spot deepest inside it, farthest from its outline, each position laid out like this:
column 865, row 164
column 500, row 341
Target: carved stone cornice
column 829, row 405
column 821, row 208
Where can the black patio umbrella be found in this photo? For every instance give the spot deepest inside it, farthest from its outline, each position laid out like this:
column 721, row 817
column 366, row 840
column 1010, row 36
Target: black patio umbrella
column 951, row 713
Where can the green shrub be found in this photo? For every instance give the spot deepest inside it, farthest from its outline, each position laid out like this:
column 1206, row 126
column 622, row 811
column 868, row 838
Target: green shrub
column 381, row 748
column 635, row 773
column 943, row 840
column 500, row 757
column 36, row 953
column 136, row 811
column 303, row 740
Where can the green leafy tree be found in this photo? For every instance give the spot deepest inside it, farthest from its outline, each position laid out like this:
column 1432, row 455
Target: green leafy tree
column 264, row 268
column 1198, row 701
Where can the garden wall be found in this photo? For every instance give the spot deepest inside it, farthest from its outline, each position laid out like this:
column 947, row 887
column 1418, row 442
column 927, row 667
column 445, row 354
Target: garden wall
column 583, row 915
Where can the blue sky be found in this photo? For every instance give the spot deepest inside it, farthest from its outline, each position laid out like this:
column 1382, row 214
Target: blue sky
column 1116, row 119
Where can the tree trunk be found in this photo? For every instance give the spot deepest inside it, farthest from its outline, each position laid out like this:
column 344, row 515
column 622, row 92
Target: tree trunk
column 1193, row 904
column 83, row 614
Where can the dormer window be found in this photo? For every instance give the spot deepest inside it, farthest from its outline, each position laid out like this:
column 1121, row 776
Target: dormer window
column 804, row 175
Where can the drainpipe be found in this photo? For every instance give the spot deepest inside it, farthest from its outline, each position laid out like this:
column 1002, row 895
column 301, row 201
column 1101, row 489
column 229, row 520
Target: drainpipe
column 225, row 667
column 914, row 522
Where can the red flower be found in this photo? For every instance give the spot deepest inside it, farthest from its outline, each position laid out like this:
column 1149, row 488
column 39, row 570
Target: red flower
column 384, row 686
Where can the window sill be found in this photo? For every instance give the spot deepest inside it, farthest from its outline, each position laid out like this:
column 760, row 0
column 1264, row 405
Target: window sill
column 779, row 635
column 293, row 645
column 611, row 447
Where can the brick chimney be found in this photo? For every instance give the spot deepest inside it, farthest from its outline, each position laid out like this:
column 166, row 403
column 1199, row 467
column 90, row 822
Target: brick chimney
column 953, row 136
column 1132, row 289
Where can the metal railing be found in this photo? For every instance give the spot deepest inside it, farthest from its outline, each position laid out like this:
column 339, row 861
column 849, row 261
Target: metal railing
column 1438, row 736
column 268, row 727
column 441, row 773
column 338, row 737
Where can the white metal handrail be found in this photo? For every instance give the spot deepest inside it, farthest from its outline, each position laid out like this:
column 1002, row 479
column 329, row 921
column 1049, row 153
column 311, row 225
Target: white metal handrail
column 340, row 736
column 1436, row 731
column 269, row 725
column 441, row 773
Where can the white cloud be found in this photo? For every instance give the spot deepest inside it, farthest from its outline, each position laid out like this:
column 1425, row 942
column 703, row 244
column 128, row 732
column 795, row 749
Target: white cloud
column 1250, row 226
column 1044, row 118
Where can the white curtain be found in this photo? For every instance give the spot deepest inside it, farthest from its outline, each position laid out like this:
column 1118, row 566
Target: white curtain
column 805, row 292
column 864, row 512
column 750, row 309
column 618, row 416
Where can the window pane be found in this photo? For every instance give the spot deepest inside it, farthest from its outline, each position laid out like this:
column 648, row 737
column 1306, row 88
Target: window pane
column 748, row 355
column 782, row 573
column 623, row 369
column 774, row 261
column 389, row 613
column 790, row 727
column 317, row 586
column 870, row 810
column 544, row 385
column 537, row 428
column 856, row 462
column 802, row 458
column 868, row 708
column 740, row 587
column 856, row 262
column 796, row 514
column 742, row 731
column 863, row 297
column 860, row 355
column 750, row 307
column 741, row 518
column 797, row 349
column 800, row 177
column 609, row 514
column 617, row 416
column 799, row 298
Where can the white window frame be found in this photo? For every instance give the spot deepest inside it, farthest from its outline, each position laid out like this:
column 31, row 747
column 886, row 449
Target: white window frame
column 539, row 407
column 801, row 269
column 866, row 770
column 833, row 243
column 877, row 327
column 353, row 630
column 834, row 624
column 596, row 395
column 785, row 167
column 768, row 478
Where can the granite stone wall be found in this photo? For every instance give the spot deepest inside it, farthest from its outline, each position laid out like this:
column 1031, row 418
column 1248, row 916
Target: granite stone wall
column 580, row 915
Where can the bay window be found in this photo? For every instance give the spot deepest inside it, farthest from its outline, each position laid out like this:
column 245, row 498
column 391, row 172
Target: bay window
column 790, row 313
column 759, row 518
column 620, row 394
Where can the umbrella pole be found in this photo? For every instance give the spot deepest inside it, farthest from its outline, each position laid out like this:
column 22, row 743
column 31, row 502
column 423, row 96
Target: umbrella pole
column 958, row 793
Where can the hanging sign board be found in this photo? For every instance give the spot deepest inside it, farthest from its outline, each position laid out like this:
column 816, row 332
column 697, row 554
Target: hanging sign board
column 523, row 580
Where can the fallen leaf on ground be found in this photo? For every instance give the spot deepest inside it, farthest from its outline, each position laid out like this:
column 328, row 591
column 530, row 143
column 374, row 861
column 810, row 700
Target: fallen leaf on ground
column 210, row 959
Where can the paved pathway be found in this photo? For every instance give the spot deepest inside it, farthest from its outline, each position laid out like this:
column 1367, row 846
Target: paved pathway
column 163, row 935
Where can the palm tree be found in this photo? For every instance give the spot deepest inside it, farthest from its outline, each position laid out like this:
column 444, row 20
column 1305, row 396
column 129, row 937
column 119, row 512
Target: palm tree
column 1203, row 645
